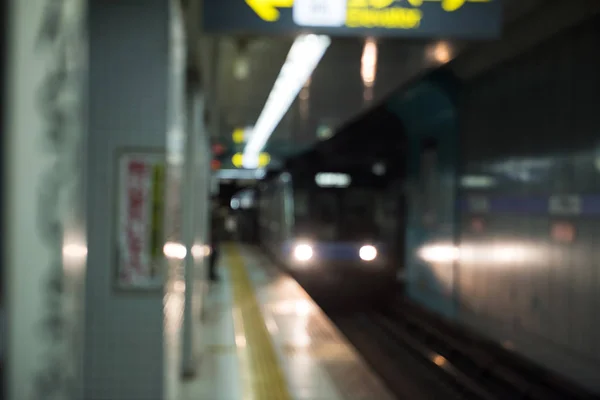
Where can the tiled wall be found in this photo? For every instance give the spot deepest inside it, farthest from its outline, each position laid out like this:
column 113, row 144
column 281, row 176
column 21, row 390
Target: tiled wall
column 129, row 88
column 529, row 274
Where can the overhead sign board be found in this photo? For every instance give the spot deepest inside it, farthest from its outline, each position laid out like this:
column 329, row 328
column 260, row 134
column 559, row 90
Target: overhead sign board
column 476, row 19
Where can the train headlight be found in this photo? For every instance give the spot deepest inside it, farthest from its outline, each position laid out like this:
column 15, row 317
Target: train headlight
column 303, row 252
column 367, row 253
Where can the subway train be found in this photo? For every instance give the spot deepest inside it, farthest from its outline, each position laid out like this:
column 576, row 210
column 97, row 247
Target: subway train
column 244, row 212
column 327, row 229
column 325, row 217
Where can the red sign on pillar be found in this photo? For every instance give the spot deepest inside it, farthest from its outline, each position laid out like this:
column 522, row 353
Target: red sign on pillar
column 139, row 221
column 136, row 207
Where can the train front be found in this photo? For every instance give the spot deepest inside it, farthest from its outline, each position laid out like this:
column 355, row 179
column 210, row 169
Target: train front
column 336, row 247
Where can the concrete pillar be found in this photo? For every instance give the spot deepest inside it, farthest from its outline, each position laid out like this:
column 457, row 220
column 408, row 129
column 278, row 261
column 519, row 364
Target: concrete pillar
column 195, row 213
column 189, row 211
column 136, row 62
column 43, row 223
column 202, row 178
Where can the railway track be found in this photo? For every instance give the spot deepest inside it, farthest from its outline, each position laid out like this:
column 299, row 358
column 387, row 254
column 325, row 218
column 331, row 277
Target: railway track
column 421, row 357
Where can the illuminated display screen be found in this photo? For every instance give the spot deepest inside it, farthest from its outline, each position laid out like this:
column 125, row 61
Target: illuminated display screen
column 330, row 179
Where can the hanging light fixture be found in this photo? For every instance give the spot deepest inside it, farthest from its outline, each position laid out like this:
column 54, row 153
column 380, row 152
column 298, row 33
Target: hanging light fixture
column 241, row 63
column 369, row 67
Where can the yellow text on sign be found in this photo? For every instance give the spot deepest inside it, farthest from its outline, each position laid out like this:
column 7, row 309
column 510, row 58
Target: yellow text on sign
column 391, row 18
column 267, row 10
column 447, row 5
column 384, row 14
column 263, row 160
column 369, row 3
column 366, row 13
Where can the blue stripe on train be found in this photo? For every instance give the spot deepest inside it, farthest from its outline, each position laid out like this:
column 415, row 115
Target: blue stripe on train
column 334, row 250
column 589, row 204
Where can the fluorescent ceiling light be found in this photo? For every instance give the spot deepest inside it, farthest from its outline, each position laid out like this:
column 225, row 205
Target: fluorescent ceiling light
column 303, row 58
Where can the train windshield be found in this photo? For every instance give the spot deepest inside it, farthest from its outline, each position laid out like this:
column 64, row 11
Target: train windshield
column 338, row 214
column 358, row 219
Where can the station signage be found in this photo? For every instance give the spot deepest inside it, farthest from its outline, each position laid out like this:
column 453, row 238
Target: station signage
column 471, row 19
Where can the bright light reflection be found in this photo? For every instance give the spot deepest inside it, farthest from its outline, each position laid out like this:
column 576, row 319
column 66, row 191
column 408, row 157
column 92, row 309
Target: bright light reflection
column 442, row 53
column 300, row 336
column 439, row 253
column 439, row 360
column 301, row 339
column 240, row 340
column 271, row 326
column 503, row 253
column 497, row 253
column 174, row 250
column 179, row 286
column 199, row 250
column 173, row 306
column 369, row 62
column 507, row 253
column 242, row 351
column 301, row 308
column 75, row 251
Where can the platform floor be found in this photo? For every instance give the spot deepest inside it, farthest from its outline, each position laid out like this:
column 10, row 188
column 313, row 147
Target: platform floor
column 265, row 339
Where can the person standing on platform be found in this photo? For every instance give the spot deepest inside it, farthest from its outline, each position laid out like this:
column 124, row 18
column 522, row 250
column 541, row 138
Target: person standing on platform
column 216, row 236
column 231, row 225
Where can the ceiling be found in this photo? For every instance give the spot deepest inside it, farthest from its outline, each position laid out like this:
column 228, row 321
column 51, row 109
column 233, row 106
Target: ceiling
column 336, row 92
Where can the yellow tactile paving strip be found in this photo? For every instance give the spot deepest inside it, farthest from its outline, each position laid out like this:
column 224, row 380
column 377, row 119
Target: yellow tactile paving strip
column 261, row 372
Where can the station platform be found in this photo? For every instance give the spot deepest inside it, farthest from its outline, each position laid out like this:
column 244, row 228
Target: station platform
column 263, row 338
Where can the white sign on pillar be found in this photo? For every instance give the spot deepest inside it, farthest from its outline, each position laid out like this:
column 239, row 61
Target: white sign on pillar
column 320, row 12
column 140, row 219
